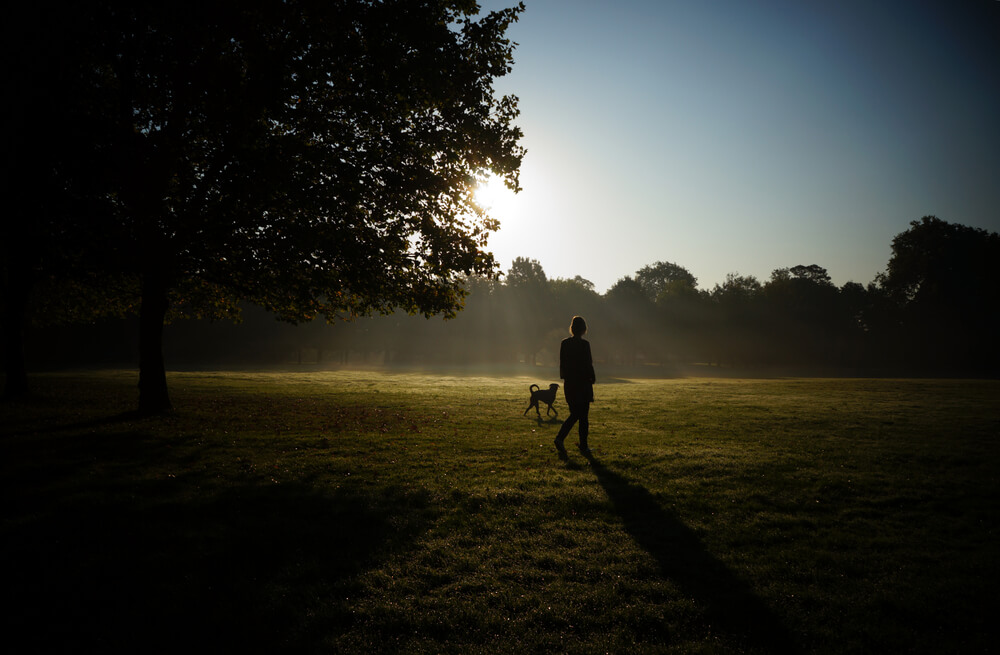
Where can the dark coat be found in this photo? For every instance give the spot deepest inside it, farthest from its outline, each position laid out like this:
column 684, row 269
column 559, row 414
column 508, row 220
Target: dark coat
column 576, row 368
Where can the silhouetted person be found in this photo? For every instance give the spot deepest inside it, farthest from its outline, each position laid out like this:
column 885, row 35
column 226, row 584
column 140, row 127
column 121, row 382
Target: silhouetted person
column 576, row 368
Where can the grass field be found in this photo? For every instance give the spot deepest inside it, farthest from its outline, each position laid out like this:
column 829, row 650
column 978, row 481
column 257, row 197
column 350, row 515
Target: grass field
column 375, row 512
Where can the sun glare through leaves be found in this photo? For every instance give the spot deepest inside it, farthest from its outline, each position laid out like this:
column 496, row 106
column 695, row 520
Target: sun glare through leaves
column 493, row 195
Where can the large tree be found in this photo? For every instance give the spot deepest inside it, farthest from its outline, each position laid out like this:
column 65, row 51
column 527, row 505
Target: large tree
column 312, row 157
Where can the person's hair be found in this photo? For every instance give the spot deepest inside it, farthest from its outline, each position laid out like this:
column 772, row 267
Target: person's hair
column 578, row 327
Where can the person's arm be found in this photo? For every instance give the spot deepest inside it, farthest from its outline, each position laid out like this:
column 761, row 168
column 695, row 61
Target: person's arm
column 590, row 365
column 562, row 360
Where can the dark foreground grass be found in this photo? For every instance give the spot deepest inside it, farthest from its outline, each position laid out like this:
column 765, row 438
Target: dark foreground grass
column 368, row 512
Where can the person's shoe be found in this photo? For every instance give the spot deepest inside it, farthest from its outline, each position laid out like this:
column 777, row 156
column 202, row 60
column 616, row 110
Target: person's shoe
column 584, row 450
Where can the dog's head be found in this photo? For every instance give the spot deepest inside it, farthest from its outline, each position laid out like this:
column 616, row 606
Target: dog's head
column 553, row 387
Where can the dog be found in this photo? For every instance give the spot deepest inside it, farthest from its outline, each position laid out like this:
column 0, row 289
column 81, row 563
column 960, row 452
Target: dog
column 547, row 396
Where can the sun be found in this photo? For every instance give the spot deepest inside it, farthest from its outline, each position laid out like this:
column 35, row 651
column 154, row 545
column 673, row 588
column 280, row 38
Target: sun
column 501, row 204
column 493, row 195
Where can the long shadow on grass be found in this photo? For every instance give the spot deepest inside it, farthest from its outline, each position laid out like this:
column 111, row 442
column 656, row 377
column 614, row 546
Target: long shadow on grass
column 89, row 424
column 97, row 560
column 731, row 606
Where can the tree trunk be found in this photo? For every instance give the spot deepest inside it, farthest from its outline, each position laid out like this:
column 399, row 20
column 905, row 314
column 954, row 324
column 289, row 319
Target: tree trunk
column 14, row 315
column 153, row 397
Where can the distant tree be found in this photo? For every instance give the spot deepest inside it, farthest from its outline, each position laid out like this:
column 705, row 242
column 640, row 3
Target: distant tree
column 854, row 293
column 737, row 328
column 531, row 314
column 577, row 297
column 802, row 315
column 583, row 282
column 738, row 288
column 854, row 331
column 483, row 322
column 627, row 292
column 314, row 158
column 525, row 273
column 630, row 315
column 780, row 275
column 666, row 328
column 881, row 321
column 664, row 276
column 812, row 273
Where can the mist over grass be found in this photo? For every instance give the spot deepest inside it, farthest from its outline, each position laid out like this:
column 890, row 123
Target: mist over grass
column 421, row 512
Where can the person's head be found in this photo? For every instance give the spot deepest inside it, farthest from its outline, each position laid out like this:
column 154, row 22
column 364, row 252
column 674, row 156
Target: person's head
column 578, row 327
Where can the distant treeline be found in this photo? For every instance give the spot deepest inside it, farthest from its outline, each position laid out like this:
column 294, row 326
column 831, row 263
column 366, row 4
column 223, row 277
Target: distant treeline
column 935, row 311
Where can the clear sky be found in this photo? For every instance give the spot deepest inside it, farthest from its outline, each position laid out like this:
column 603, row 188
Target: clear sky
column 747, row 135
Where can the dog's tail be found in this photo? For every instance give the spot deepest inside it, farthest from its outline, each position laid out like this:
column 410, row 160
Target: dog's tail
column 533, row 388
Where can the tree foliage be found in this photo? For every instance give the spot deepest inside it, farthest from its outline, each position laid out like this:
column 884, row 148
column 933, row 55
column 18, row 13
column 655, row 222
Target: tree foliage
column 315, row 157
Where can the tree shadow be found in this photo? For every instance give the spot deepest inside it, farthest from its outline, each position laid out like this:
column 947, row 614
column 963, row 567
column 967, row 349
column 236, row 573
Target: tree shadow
column 182, row 564
column 89, row 424
column 731, row 605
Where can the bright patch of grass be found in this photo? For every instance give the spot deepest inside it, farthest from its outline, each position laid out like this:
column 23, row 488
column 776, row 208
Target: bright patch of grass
column 376, row 512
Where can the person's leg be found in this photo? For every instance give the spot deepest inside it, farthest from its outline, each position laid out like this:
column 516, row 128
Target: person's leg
column 566, row 427
column 583, row 414
column 574, row 415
